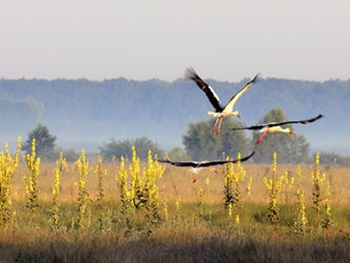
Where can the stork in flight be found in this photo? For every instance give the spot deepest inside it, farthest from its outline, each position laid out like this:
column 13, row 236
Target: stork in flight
column 221, row 112
column 196, row 167
column 276, row 127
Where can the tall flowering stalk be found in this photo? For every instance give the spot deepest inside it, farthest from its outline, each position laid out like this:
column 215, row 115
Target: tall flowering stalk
column 61, row 166
column 100, row 173
column 31, row 187
column 288, row 184
column 178, row 212
column 238, row 178
column 127, row 208
column 83, row 196
column 151, row 173
column 301, row 222
column 232, row 182
column 317, row 182
column 273, row 187
column 137, row 194
column 8, row 165
column 125, row 194
column 228, row 171
column 249, row 186
column 327, row 220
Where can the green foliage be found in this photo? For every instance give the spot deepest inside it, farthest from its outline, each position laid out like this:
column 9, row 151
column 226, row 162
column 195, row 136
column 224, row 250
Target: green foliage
column 289, row 148
column 178, row 154
column 201, row 144
column 115, row 149
column 87, row 111
column 45, row 142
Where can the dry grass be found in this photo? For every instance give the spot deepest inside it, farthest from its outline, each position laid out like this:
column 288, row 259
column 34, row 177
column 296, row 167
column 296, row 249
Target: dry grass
column 211, row 237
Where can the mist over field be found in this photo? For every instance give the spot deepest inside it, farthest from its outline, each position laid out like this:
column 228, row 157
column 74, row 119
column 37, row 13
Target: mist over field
column 86, row 114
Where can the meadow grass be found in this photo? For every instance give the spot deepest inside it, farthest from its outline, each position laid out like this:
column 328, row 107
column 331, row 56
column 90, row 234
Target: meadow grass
column 193, row 224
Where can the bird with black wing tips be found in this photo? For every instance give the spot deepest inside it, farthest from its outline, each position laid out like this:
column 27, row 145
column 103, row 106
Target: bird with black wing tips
column 276, row 127
column 221, row 112
column 196, row 167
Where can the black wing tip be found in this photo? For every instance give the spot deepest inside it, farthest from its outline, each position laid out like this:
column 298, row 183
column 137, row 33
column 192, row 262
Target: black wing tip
column 246, row 158
column 316, row 118
column 256, row 78
column 249, row 156
column 190, row 73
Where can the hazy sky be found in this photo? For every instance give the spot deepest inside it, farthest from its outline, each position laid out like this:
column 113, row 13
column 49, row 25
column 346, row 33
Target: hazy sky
column 225, row 39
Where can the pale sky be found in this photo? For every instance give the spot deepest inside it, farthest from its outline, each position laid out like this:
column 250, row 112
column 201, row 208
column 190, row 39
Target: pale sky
column 227, row 40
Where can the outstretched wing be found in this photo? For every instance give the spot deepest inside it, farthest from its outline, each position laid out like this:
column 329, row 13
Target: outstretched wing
column 184, row 164
column 272, row 124
column 233, row 100
column 255, row 127
column 206, row 163
column 221, row 162
column 191, row 74
column 299, row 122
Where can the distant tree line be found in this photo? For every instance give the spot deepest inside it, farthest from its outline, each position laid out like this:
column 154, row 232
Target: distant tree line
column 200, row 144
column 89, row 110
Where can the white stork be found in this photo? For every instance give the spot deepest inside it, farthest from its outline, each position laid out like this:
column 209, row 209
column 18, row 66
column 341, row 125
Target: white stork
column 221, row 112
column 276, row 127
column 196, row 167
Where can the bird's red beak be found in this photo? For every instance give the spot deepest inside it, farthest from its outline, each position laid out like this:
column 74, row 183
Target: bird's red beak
column 291, row 132
column 239, row 116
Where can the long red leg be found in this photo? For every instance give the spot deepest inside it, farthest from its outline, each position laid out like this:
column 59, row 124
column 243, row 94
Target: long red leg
column 215, row 125
column 219, row 125
column 195, row 178
column 261, row 137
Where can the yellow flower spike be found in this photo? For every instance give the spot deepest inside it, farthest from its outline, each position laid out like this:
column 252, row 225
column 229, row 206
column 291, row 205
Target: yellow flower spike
column 301, row 222
column 207, row 181
column 274, row 187
column 8, row 165
column 31, row 187
column 249, row 186
column 237, row 220
column 230, row 210
column 83, row 196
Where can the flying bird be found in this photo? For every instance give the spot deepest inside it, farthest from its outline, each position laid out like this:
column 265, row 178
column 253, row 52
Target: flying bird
column 196, row 167
column 276, row 127
column 221, row 112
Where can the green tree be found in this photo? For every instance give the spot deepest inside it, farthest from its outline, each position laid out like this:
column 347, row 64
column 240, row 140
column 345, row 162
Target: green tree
column 289, row 148
column 45, row 142
column 177, row 154
column 119, row 148
column 200, row 144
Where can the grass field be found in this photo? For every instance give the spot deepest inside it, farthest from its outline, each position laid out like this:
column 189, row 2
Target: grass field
column 159, row 215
